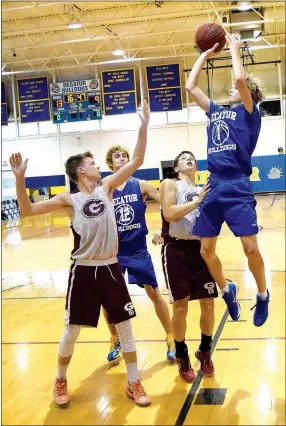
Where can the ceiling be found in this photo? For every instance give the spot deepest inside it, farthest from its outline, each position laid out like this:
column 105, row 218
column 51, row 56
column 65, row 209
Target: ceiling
column 35, row 36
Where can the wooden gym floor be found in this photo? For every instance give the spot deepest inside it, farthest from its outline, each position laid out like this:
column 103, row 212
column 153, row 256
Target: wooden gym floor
column 249, row 384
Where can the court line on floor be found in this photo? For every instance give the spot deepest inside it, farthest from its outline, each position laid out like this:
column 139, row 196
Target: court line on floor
column 196, row 384
column 226, row 339
column 37, row 235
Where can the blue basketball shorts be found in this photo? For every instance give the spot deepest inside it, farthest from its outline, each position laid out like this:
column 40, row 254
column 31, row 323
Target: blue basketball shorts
column 229, row 201
column 139, row 266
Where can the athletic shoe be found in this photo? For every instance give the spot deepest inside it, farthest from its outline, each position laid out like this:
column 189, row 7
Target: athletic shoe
column 137, row 392
column 115, row 349
column 171, row 349
column 207, row 367
column 61, row 396
column 261, row 310
column 231, row 301
column 185, row 369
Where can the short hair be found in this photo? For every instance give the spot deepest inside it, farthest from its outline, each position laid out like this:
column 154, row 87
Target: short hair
column 175, row 164
column 112, row 150
column 74, row 162
column 254, row 86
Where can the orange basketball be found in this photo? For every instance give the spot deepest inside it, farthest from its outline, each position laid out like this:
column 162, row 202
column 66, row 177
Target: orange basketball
column 208, row 34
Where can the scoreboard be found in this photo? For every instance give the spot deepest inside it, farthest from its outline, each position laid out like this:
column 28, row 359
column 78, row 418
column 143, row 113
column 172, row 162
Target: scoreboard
column 76, row 101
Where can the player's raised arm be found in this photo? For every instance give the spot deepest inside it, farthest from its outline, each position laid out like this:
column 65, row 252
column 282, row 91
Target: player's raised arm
column 239, row 73
column 118, row 178
column 26, row 208
column 192, row 84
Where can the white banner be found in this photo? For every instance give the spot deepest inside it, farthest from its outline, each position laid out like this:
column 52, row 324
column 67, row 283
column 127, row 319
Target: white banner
column 75, row 86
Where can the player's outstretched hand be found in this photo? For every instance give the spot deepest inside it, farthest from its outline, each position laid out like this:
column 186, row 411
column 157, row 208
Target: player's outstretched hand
column 205, row 190
column 145, row 116
column 157, row 239
column 17, row 165
column 211, row 52
column 233, row 41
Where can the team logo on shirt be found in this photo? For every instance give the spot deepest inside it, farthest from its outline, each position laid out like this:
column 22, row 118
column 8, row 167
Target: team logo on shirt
column 220, row 133
column 129, row 308
column 93, row 208
column 189, row 196
column 124, row 214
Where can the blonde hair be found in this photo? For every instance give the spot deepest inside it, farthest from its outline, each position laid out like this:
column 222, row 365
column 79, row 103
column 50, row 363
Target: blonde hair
column 253, row 84
column 112, row 150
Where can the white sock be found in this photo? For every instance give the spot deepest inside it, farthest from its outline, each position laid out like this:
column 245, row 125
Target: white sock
column 263, row 295
column 132, row 371
column 62, row 371
column 225, row 289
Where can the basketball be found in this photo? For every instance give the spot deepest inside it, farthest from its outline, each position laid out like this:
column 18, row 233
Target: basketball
column 208, row 34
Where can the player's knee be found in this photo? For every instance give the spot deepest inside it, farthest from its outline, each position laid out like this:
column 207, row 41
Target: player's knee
column 124, row 330
column 153, row 294
column 207, row 306
column 68, row 339
column 180, row 312
column 207, row 252
column 251, row 250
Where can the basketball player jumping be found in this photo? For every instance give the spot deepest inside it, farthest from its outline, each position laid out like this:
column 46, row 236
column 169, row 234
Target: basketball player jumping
column 186, row 273
column 130, row 207
column 95, row 276
column 232, row 138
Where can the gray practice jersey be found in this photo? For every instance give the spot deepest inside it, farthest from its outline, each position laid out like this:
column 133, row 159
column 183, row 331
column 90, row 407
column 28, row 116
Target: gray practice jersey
column 183, row 228
column 94, row 228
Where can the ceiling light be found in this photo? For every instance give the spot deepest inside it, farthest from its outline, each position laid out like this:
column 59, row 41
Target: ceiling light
column 244, row 6
column 74, row 26
column 118, row 52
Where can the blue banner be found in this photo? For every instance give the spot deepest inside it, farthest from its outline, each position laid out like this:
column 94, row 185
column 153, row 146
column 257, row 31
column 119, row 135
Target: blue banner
column 164, row 88
column 35, row 111
column 163, row 76
column 165, row 99
column 3, row 95
column 30, row 89
column 119, row 92
column 120, row 103
column 118, row 81
column 4, row 115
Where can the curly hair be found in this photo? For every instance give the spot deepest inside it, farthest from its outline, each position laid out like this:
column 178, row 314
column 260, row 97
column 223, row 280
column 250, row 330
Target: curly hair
column 112, row 150
column 253, row 84
column 74, row 162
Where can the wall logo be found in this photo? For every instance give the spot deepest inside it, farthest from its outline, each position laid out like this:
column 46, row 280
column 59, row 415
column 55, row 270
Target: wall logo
column 124, row 214
column 209, row 287
column 129, row 308
column 220, row 133
column 93, row 208
column 275, row 173
column 55, row 88
column 94, row 84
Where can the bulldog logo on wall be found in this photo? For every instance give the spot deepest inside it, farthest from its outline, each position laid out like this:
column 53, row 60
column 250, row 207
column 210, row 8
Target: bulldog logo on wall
column 93, row 208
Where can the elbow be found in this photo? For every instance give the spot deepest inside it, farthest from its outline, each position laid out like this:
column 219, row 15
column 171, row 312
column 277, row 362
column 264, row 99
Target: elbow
column 240, row 81
column 170, row 217
column 190, row 86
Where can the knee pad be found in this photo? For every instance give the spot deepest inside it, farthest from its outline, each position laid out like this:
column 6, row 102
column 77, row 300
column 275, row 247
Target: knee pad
column 124, row 330
column 68, row 339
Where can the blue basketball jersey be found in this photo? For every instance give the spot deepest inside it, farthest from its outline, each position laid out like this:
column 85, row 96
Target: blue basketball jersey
column 130, row 212
column 232, row 137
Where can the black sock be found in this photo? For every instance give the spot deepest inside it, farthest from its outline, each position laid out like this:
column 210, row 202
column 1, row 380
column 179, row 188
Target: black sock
column 181, row 349
column 206, row 343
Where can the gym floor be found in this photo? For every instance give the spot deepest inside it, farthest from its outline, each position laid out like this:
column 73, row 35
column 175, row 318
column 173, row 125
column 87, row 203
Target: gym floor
column 249, row 383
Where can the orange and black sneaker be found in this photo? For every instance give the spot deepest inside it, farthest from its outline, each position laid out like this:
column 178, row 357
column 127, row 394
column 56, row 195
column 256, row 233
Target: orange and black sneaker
column 137, row 392
column 207, row 367
column 185, row 369
column 61, row 396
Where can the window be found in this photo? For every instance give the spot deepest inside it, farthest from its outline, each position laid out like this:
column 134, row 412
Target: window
column 28, row 129
column 47, row 128
column 8, row 132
